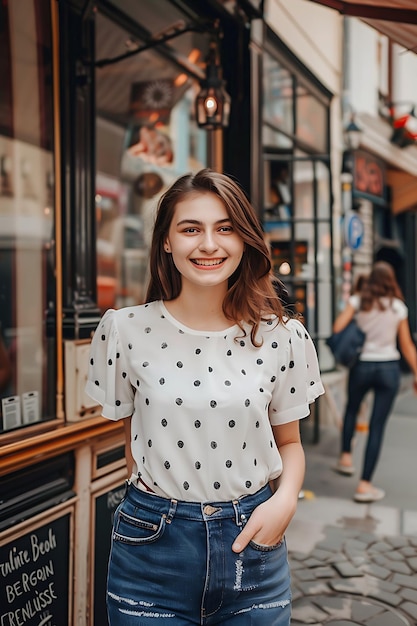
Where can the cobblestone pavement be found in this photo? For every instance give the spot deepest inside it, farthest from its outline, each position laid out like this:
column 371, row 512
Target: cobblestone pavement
column 353, row 578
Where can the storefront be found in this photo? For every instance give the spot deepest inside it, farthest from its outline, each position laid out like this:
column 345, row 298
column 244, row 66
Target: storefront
column 97, row 117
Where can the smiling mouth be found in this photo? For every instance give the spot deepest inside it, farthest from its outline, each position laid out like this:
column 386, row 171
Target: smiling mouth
column 207, row 262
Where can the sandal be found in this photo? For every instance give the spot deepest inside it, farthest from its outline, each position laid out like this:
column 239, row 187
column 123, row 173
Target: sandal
column 373, row 495
column 346, row 470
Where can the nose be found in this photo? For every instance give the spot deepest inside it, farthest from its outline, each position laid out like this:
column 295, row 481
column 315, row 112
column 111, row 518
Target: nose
column 208, row 242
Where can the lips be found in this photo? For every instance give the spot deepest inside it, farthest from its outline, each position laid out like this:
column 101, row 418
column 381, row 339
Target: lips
column 207, row 262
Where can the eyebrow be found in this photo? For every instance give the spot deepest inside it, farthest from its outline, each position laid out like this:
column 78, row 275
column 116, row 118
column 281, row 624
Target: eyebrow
column 198, row 223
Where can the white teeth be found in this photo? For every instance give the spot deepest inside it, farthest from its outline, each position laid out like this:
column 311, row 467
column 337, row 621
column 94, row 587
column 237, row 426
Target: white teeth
column 207, row 262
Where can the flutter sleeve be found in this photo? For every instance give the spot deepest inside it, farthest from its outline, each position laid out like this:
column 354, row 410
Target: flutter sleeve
column 108, row 381
column 298, row 378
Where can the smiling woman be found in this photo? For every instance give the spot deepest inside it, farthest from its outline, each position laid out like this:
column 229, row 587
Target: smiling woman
column 211, row 381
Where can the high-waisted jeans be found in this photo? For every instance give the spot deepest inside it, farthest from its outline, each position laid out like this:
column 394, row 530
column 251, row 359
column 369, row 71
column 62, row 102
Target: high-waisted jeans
column 172, row 562
column 383, row 378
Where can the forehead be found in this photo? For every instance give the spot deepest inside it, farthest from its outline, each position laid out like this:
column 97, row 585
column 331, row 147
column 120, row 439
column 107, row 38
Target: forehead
column 201, row 206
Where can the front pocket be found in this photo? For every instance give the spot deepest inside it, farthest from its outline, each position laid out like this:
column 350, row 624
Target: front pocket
column 138, row 530
column 262, row 548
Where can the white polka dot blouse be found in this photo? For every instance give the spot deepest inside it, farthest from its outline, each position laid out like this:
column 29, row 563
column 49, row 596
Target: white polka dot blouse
column 202, row 403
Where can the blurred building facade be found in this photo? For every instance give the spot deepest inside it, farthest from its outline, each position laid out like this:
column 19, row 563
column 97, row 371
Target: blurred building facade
column 96, row 120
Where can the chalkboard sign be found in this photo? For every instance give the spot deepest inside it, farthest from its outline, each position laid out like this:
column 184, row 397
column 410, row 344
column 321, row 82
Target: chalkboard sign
column 105, row 507
column 34, row 576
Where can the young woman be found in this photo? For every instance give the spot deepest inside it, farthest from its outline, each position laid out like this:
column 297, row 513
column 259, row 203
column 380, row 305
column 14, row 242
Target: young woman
column 211, row 382
column 382, row 315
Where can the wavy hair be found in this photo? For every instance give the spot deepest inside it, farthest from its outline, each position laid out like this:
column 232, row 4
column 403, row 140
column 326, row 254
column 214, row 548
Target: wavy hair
column 251, row 296
column 381, row 283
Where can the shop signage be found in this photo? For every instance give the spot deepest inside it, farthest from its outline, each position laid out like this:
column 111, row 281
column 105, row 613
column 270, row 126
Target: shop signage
column 354, row 230
column 105, row 506
column 34, row 576
column 369, row 179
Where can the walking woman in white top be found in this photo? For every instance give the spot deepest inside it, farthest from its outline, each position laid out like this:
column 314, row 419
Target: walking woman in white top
column 211, row 382
column 382, row 315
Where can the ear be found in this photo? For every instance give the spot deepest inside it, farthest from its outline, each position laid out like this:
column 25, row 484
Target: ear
column 167, row 247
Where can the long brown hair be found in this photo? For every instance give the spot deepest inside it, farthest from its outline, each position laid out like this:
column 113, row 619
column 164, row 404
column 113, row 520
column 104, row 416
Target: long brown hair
column 381, row 283
column 250, row 296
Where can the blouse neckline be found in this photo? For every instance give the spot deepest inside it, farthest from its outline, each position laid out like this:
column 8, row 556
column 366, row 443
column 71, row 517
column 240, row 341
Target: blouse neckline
column 193, row 331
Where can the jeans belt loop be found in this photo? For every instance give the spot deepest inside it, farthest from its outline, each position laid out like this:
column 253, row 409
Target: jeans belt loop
column 172, row 510
column 239, row 517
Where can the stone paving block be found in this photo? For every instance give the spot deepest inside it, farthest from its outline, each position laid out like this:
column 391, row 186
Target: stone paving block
column 304, row 574
column 335, row 606
column 410, row 608
column 331, row 544
column 398, row 541
column 386, row 585
column 347, row 570
column 342, row 622
column 304, row 612
column 394, row 555
column 298, row 556
column 379, row 559
column 386, row 619
column 376, row 570
column 362, row 610
column 413, row 563
column 338, row 557
column 295, row 565
column 312, row 563
column 355, row 545
column 405, row 581
column 408, row 551
column 324, row 572
column 380, row 546
column 368, row 538
column 295, row 592
column 393, row 599
column 321, row 555
column 400, row 568
column 313, row 587
column 409, row 594
column 349, row 585
column 413, row 541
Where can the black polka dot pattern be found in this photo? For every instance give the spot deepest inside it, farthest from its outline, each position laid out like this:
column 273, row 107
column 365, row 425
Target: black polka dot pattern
column 201, row 400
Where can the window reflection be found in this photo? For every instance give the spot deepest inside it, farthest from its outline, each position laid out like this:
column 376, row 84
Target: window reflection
column 27, row 284
column 146, row 137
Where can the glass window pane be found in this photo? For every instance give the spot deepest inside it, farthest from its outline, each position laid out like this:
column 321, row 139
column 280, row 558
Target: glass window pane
column 303, row 189
column 271, row 138
column 323, row 190
column 311, row 117
column 324, row 251
column 27, row 284
column 146, row 137
column 278, row 95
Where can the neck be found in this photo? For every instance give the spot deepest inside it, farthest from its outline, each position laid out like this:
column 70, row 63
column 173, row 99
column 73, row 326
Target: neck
column 201, row 309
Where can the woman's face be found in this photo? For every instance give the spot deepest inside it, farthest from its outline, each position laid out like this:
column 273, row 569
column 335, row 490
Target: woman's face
column 205, row 248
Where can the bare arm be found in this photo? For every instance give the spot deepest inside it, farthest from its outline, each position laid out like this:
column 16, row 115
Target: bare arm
column 343, row 319
column 269, row 520
column 408, row 348
column 127, row 422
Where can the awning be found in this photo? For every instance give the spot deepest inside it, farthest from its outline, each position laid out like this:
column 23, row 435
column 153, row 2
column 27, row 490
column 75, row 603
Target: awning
column 395, row 18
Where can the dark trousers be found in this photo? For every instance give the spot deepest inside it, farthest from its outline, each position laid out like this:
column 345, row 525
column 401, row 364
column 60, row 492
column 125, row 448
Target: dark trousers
column 383, row 378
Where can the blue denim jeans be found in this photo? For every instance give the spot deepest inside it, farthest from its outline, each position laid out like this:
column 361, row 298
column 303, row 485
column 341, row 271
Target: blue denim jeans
column 172, row 562
column 383, row 378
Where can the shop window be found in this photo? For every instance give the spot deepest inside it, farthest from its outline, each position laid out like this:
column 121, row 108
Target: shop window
column 146, row 137
column 27, row 283
column 278, row 95
column 296, row 192
column 311, row 115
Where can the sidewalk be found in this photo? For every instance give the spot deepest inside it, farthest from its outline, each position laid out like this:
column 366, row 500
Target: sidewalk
column 353, row 563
